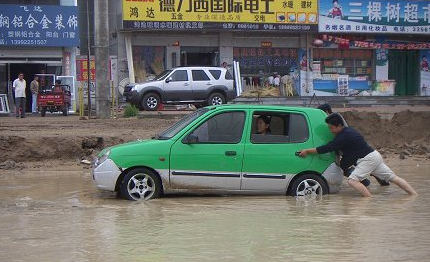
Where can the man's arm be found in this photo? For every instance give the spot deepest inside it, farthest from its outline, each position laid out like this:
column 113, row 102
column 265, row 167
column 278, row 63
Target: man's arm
column 331, row 146
column 305, row 152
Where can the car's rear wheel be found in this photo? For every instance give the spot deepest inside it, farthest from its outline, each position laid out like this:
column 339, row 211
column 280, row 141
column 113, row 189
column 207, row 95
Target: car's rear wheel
column 141, row 184
column 216, row 99
column 309, row 185
column 151, row 102
column 43, row 112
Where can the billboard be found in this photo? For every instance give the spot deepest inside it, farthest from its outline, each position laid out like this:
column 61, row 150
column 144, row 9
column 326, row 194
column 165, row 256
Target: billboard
column 39, row 25
column 260, row 15
column 394, row 16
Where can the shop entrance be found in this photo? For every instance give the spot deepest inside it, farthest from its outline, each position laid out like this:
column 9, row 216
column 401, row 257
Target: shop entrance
column 29, row 70
column 403, row 66
column 199, row 56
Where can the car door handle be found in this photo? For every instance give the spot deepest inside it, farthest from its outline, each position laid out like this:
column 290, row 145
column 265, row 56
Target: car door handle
column 186, row 84
column 208, row 84
column 230, row 153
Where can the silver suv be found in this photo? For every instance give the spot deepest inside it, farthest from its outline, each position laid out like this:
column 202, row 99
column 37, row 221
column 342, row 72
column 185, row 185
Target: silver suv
column 192, row 85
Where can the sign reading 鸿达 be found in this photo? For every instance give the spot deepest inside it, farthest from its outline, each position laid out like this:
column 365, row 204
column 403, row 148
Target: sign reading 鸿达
column 262, row 15
column 383, row 16
column 39, row 25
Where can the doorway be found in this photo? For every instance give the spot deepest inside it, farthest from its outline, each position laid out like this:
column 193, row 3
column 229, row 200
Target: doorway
column 29, row 70
column 199, row 56
column 403, row 66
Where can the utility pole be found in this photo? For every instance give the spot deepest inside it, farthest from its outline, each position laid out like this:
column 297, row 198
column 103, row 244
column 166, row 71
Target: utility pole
column 88, row 59
column 101, row 27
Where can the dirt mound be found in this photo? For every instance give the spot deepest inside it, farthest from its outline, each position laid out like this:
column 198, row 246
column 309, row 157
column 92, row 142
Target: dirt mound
column 21, row 149
column 405, row 133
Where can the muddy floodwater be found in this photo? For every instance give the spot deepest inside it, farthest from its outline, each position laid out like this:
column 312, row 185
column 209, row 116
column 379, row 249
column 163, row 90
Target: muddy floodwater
column 60, row 216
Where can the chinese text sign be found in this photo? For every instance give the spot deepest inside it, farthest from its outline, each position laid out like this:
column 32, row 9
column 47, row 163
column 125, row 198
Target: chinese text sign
column 394, row 16
column 39, row 25
column 265, row 15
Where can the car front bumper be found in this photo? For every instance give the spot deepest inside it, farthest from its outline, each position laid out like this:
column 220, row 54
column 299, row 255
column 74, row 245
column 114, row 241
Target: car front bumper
column 106, row 174
column 334, row 177
column 132, row 97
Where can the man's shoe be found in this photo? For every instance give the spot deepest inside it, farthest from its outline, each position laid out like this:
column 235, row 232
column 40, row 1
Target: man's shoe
column 365, row 182
column 381, row 182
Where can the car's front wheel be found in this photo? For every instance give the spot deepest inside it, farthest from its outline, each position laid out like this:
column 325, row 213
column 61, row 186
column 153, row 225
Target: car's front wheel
column 309, row 185
column 141, row 184
column 216, row 99
column 151, row 102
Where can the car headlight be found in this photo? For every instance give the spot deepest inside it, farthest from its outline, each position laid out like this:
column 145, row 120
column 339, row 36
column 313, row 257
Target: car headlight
column 101, row 159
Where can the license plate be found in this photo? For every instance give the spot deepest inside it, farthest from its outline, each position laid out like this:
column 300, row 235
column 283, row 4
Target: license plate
column 50, row 102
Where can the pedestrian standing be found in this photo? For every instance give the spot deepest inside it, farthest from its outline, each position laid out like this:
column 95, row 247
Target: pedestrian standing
column 19, row 86
column 356, row 150
column 34, row 87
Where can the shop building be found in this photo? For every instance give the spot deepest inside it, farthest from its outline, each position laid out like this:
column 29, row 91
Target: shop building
column 381, row 47
column 38, row 38
column 263, row 36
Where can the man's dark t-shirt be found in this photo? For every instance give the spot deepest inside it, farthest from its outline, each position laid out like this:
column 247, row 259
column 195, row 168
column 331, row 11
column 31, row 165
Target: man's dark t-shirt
column 351, row 143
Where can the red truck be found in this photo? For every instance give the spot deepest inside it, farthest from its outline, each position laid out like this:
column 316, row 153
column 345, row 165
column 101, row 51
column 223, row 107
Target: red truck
column 55, row 98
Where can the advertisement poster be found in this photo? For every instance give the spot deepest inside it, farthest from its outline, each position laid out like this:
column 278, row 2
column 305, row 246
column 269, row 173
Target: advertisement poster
column 260, row 15
column 306, row 76
column 394, row 16
column 39, row 25
column 425, row 72
column 381, row 64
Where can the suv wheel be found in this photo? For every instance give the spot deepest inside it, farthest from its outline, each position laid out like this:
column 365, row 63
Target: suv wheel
column 216, row 99
column 151, row 102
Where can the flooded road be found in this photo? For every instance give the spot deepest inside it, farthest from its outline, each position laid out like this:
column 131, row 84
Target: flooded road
column 61, row 216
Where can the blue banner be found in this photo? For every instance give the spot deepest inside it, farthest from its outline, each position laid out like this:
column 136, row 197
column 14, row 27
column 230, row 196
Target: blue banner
column 39, row 25
column 383, row 16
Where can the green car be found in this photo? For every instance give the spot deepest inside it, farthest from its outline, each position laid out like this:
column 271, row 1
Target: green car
column 224, row 150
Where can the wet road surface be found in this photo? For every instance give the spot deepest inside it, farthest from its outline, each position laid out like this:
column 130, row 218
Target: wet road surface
column 61, row 216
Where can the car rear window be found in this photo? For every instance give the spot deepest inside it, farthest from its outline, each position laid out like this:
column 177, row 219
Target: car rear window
column 199, row 75
column 215, row 73
column 228, row 76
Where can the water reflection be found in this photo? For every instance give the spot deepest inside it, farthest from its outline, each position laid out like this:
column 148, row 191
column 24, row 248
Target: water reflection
column 48, row 216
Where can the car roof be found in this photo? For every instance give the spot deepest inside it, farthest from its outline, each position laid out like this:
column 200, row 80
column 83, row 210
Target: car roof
column 264, row 107
column 199, row 67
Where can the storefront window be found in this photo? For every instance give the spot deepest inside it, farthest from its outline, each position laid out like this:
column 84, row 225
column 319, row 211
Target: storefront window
column 356, row 63
column 148, row 61
column 257, row 65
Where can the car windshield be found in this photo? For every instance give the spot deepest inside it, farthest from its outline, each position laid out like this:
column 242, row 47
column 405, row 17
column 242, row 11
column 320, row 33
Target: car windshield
column 178, row 126
column 163, row 75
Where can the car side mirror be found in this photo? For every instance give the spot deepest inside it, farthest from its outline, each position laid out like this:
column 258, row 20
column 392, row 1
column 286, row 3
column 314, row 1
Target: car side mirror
column 169, row 80
column 191, row 139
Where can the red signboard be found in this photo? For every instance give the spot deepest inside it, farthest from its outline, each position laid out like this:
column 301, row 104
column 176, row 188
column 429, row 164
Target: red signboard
column 82, row 69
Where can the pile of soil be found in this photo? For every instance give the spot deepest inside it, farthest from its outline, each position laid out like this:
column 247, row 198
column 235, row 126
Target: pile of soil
column 406, row 133
column 55, row 138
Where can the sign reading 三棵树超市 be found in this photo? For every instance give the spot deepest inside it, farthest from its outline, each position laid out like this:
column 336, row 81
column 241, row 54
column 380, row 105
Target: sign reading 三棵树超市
column 381, row 16
column 260, row 15
column 39, row 25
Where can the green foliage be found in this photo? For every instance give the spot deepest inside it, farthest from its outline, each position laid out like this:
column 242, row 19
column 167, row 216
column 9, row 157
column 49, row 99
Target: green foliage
column 130, row 111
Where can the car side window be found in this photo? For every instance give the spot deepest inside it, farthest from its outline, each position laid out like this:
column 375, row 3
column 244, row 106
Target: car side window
column 215, row 73
column 179, row 75
column 276, row 128
column 199, row 75
column 224, row 128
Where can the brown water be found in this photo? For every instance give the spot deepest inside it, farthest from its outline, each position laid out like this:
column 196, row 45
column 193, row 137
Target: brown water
column 60, row 216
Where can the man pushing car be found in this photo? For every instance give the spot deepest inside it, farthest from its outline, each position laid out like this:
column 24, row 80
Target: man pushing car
column 356, row 152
